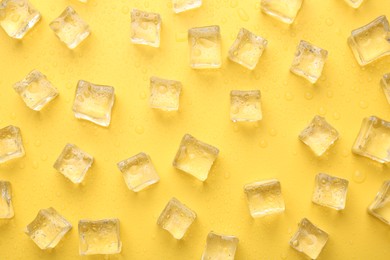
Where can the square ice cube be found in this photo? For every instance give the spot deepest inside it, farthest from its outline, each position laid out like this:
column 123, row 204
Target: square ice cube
column 309, row 60
column 17, row 17
column 146, row 28
column 220, row 247
column 354, row 3
column 93, row 102
column 11, row 145
column 385, row 83
column 371, row 41
column 373, row 140
column 138, row 172
column 70, row 28
column 48, row 228
column 99, row 237
column 283, row 10
column 6, row 209
column 205, row 47
column 380, row 207
column 245, row 106
column 73, row 163
column 319, row 135
column 164, row 94
column 35, row 90
column 264, row 198
column 185, row 5
column 247, row 49
column 309, row 239
column 195, row 157
column 330, row 191
column 176, row 218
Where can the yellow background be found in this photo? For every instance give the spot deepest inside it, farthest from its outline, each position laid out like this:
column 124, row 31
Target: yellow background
column 345, row 94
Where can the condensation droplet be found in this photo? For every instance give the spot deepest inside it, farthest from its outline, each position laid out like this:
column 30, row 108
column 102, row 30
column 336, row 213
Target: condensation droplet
column 142, row 95
column 44, row 157
column 359, row 176
column 363, row 104
column 322, row 111
column 289, row 96
column 233, row 3
column 139, row 129
column 22, row 166
column 329, row 21
column 235, row 128
column 243, row 14
column 329, row 94
column 35, row 165
column 37, row 143
column 263, row 143
column 336, row 116
column 227, row 175
column 125, row 9
column 308, row 95
column 273, row 132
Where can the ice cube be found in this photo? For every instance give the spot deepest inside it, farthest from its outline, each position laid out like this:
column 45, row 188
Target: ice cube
column 35, row 90
column 73, row 163
column 330, row 191
column 319, row 135
column 309, row 61
column 385, row 83
column 164, row 94
column 70, row 28
column 17, row 17
column 371, row 42
column 380, row 207
column 247, row 49
column 354, row 3
column 185, row 5
column 48, row 228
column 309, row 239
column 373, row 140
column 93, row 102
column 146, row 28
column 176, row 218
column 264, row 198
column 195, row 157
column 99, row 237
column 245, row 106
column 11, row 145
column 6, row 209
column 205, row 47
column 138, row 172
column 220, row 246
column 283, row 10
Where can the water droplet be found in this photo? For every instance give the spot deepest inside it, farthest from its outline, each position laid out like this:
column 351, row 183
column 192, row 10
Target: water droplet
column 336, row 116
column 226, row 175
column 273, row 132
column 329, row 94
column 308, row 95
column 37, row 143
column 142, row 95
column 295, row 243
column 22, row 166
column 289, row 96
column 358, row 176
column 263, row 143
column 363, row 104
column 235, row 128
column 243, row 14
column 125, row 9
column 139, row 129
column 283, row 255
column 44, row 157
column 12, row 115
column 322, row 111
column 329, row 21
column 233, row 3
column 35, row 165
column 345, row 152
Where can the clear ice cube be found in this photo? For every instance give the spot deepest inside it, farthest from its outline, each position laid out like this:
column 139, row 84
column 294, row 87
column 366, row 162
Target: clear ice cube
column 319, row 135
column 247, row 49
column 205, row 47
column 283, row 10
column 48, row 228
column 185, row 5
column 93, row 102
column 309, row 60
column 371, row 42
column 373, row 140
column 220, row 246
column 6, row 208
column 11, row 145
column 70, row 28
column 354, row 3
column 99, row 237
column 264, row 198
column 176, row 218
column 195, row 157
column 380, row 207
column 385, row 83
column 245, row 106
column 309, row 239
column 146, row 28
column 330, row 191
column 164, row 94
column 17, row 17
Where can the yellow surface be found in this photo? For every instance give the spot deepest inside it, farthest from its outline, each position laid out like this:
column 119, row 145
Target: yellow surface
column 345, row 94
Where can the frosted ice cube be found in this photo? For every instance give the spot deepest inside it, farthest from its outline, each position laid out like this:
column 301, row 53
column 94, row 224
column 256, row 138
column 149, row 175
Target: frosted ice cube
column 319, row 135
column 247, row 49
column 380, row 207
column 220, row 247
column 309, row 239
column 146, row 28
column 164, row 94
column 371, row 41
column 330, row 191
column 354, row 3
column 17, row 17
column 138, row 172
column 93, row 102
column 309, row 61
column 205, row 47
column 373, row 140
column 264, row 198
column 73, row 163
column 283, row 10
column 195, row 157
column 99, row 237
column 48, row 228
column 11, row 145
column 70, row 28
column 245, row 106
column 176, row 218
column 6, row 209
column 385, row 83
column 185, row 5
